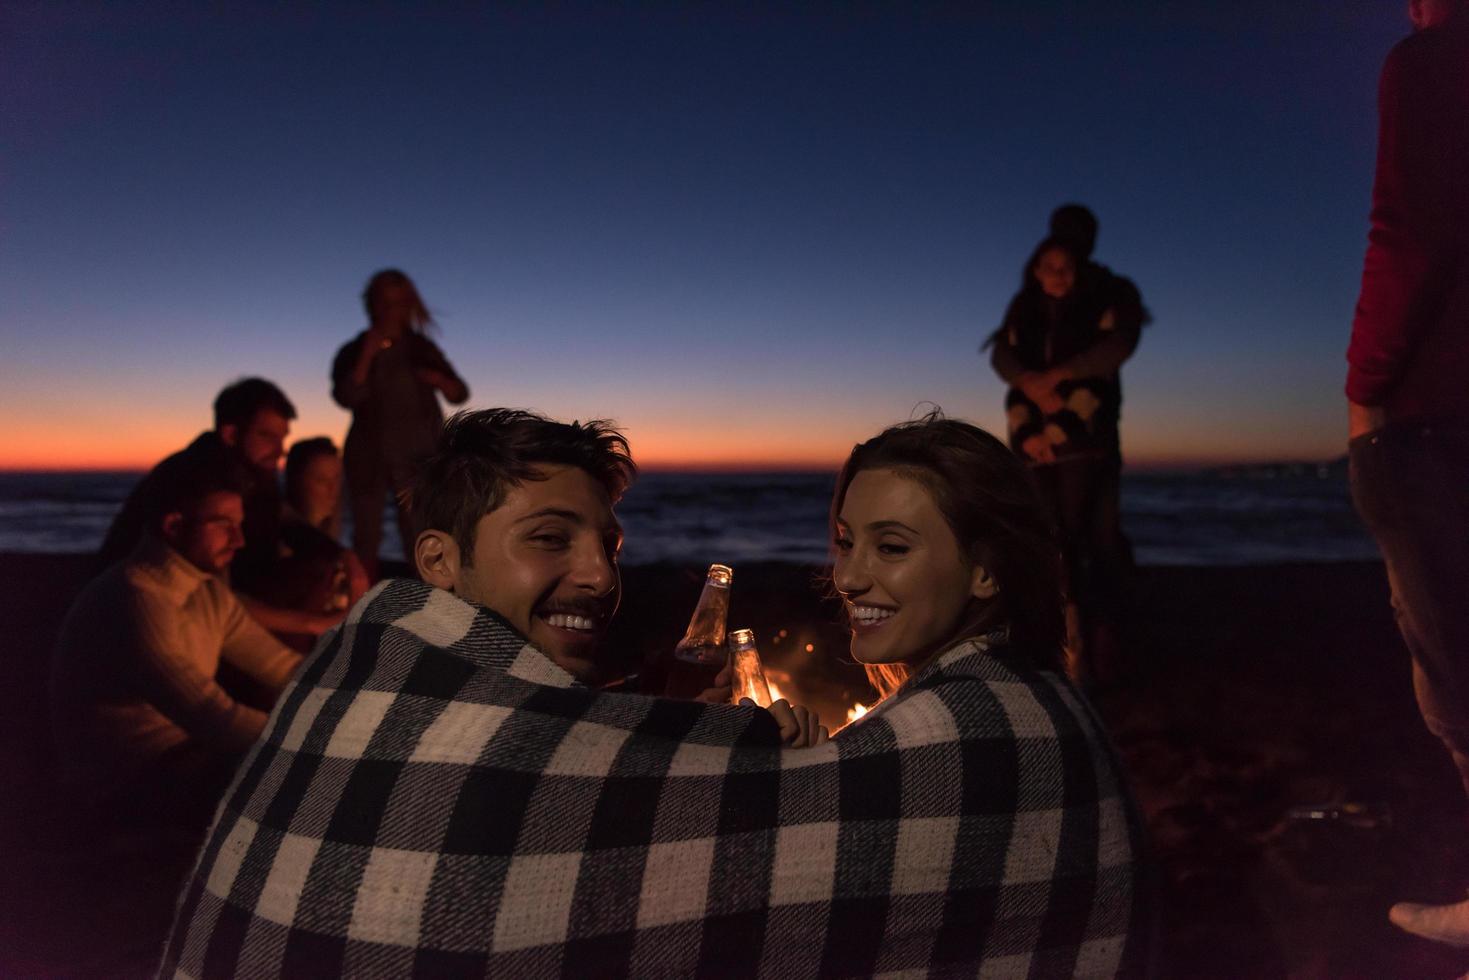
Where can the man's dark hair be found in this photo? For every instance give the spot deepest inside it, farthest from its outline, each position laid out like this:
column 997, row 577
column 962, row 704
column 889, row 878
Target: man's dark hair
column 242, row 401
column 182, row 481
column 1077, row 226
column 302, row 452
column 482, row 455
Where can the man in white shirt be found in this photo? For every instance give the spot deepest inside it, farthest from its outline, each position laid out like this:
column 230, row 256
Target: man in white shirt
column 138, row 712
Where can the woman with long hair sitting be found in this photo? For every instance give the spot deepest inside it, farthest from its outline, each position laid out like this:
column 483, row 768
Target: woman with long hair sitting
column 948, row 569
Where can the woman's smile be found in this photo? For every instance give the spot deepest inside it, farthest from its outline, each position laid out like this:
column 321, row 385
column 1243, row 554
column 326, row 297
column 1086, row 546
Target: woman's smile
column 865, row 619
column 896, row 558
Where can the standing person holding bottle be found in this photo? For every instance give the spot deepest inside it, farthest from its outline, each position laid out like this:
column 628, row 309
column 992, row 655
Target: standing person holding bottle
column 390, row 377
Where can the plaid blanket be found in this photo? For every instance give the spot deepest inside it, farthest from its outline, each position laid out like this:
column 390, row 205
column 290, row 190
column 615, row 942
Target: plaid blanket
column 434, row 797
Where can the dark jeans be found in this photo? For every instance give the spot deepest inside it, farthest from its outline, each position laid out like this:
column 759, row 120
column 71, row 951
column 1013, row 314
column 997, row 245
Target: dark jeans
column 367, row 489
column 1411, row 486
column 1083, row 498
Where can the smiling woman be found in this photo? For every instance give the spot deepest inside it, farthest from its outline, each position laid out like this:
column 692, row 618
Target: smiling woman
column 907, row 585
column 939, row 536
column 949, row 570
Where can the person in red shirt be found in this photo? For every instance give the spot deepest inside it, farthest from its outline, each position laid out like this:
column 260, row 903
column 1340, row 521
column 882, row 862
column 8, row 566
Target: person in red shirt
column 1408, row 381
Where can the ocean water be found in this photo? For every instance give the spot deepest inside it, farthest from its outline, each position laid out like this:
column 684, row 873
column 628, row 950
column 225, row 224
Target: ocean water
column 1232, row 517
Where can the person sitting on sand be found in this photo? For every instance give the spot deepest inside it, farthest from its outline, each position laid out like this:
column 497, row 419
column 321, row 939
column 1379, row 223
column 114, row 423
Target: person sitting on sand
column 314, row 571
column 314, row 485
column 139, row 716
column 947, row 567
column 252, row 419
column 441, row 793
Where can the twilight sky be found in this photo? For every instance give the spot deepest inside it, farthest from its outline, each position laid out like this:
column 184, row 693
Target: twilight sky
column 749, row 238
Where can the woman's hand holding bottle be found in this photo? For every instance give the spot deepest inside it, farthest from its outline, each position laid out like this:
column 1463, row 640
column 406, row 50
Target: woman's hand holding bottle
column 800, row 727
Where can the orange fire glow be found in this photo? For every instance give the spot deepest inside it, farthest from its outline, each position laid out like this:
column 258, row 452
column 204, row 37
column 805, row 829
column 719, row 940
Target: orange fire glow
column 750, row 682
column 783, row 684
column 853, row 713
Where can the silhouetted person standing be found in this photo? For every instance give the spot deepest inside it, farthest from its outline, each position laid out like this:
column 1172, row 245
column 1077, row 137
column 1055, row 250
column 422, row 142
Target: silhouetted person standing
column 390, row 377
column 1075, row 223
column 1408, row 380
column 1061, row 347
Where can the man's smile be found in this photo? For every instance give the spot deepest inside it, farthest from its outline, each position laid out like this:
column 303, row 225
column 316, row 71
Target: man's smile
column 566, row 621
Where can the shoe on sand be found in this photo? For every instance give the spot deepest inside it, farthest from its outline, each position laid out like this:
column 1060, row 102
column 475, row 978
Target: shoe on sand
column 1442, row 923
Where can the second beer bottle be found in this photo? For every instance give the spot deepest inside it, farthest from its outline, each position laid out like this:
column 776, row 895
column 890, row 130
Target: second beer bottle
column 749, row 676
column 700, row 655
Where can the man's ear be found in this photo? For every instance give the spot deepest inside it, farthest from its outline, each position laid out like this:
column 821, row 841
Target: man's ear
column 229, row 434
column 982, row 584
column 172, row 527
column 436, row 554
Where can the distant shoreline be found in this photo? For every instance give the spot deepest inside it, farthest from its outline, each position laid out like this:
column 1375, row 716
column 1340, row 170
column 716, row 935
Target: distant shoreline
column 1238, row 516
column 1202, row 466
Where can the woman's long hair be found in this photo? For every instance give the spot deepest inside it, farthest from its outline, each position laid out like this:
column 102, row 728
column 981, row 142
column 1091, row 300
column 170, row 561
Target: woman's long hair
column 990, row 502
column 419, row 317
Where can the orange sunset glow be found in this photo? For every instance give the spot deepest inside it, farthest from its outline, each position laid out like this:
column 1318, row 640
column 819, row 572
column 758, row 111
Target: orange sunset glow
column 50, row 432
column 58, row 447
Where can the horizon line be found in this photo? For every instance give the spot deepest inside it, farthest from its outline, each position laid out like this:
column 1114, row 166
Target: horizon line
column 1146, row 464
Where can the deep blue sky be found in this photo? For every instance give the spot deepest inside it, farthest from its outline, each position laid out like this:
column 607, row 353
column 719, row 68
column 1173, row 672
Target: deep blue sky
column 748, row 237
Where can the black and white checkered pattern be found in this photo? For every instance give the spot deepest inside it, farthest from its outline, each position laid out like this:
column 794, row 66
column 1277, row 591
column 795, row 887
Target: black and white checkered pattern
column 434, row 797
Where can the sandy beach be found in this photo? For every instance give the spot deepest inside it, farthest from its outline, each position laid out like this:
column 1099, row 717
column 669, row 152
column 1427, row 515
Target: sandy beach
column 1248, row 691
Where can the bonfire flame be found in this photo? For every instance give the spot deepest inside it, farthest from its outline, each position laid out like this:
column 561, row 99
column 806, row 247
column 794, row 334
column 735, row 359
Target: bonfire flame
column 754, row 685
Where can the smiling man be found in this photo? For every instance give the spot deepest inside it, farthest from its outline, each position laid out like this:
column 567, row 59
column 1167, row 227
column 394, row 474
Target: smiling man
column 519, row 517
column 455, row 717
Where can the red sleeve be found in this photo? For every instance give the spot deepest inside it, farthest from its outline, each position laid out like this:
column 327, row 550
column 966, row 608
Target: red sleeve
column 1398, row 263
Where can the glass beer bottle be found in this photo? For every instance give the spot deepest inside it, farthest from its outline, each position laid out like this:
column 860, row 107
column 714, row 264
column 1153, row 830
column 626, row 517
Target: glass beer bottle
column 749, row 676
column 700, row 655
